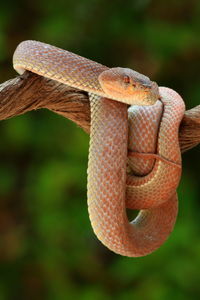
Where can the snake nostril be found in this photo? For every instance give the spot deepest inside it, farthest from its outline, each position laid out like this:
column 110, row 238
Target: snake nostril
column 147, row 85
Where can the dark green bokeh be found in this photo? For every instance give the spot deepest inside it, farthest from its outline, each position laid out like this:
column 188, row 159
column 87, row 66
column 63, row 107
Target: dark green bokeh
column 47, row 247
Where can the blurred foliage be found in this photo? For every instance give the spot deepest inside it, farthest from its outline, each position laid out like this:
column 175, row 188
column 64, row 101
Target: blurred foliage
column 47, row 247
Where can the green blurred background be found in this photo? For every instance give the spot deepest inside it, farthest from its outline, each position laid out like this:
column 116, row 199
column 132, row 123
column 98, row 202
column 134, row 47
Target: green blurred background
column 47, row 247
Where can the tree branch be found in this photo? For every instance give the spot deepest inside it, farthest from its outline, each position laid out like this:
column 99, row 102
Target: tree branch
column 30, row 92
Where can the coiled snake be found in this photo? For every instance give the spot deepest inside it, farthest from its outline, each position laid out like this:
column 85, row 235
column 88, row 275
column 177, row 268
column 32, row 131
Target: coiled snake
column 148, row 178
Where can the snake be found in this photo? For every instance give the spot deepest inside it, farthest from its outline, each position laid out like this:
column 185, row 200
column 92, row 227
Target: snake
column 134, row 154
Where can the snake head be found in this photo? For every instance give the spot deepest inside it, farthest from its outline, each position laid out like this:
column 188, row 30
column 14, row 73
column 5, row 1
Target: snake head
column 128, row 86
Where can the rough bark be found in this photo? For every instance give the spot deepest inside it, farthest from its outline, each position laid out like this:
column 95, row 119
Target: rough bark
column 30, row 92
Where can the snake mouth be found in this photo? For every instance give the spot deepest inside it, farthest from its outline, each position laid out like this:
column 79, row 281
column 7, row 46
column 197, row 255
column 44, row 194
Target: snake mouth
column 131, row 95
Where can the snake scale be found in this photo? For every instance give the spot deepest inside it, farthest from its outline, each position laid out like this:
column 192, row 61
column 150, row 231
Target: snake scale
column 134, row 154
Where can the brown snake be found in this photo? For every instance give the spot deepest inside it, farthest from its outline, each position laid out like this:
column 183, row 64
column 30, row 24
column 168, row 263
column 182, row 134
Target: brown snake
column 154, row 162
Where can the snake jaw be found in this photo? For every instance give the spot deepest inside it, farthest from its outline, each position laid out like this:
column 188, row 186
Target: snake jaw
column 128, row 86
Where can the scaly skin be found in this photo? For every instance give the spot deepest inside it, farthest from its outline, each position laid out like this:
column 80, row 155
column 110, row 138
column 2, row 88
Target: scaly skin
column 163, row 180
column 151, row 183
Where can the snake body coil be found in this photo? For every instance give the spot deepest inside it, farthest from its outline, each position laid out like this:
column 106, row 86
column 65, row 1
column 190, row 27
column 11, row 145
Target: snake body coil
column 154, row 155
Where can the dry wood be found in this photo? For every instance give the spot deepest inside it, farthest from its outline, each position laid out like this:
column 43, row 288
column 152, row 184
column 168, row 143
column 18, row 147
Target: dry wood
column 30, row 92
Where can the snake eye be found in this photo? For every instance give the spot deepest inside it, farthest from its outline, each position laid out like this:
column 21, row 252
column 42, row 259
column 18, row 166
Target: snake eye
column 126, row 79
